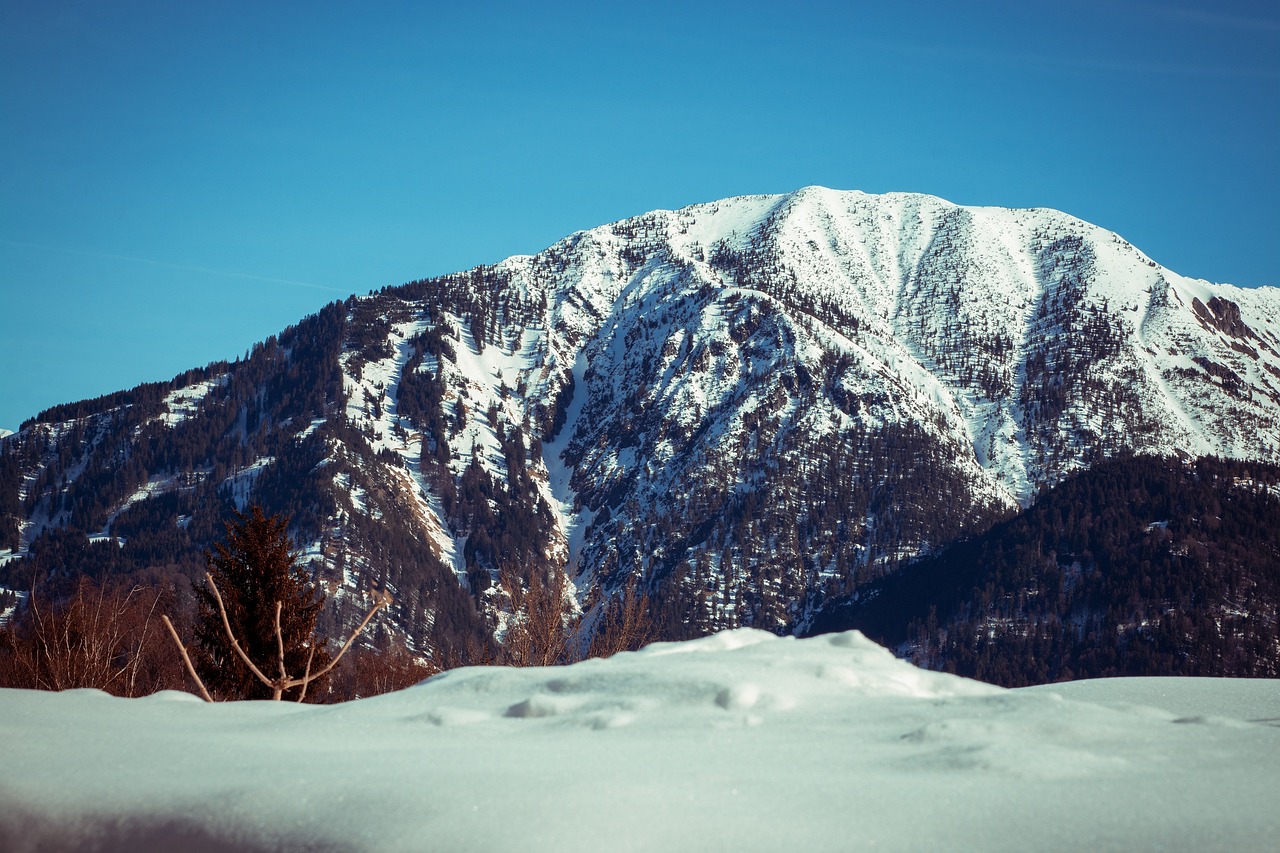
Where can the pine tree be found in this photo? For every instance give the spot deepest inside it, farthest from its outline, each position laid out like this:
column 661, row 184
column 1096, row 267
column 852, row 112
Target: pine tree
column 255, row 568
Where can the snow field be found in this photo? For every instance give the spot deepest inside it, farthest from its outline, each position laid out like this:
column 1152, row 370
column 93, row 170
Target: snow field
column 739, row 741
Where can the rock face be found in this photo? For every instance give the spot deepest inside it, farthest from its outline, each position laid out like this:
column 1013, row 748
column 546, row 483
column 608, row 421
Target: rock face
column 748, row 405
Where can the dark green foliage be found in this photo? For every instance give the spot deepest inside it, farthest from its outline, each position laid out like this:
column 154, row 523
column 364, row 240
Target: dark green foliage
column 11, row 465
column 254, row 569
column 1139, row 566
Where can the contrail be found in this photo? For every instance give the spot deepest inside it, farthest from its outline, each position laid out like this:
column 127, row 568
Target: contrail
column 183, row 267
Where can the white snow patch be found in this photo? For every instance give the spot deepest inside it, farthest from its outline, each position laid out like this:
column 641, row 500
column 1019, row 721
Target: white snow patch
column 573, row 520
column 156, row 485
column 20, row 600
column 241, row 482
column 182, row 403
column 310, row 428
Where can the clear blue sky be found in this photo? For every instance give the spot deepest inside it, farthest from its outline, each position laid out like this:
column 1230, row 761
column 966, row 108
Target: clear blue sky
column 179, row 180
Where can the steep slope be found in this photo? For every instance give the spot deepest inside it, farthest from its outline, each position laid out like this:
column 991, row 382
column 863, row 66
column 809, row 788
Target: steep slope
column 749, row 405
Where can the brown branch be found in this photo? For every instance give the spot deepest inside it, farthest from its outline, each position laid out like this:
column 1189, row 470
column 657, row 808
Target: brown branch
column 186, row 659
column 284, row 682
column 235, row 644
column 306, row 675
column 280, row 640
column 384, row 598
column 284, row 675
column 146, row 629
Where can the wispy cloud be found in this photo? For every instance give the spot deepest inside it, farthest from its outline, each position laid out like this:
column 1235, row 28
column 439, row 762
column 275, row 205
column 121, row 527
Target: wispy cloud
column 1079, row 63
column 181, row 267
column 1213, row 18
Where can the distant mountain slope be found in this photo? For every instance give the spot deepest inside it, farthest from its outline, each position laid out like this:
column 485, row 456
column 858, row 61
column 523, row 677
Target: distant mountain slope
column 749, row 405
column 1140, row 566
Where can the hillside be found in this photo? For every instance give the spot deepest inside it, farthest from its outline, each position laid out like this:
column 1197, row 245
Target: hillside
column 749, row 406
column 1141, row 566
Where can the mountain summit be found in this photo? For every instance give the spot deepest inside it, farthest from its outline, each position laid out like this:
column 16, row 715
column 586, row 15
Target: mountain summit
column 747, row 406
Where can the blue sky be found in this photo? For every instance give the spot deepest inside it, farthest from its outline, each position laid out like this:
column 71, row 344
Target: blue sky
column 180, row 180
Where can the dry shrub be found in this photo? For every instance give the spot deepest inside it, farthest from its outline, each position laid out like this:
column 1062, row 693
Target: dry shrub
column 106, row 636
column 542, row 627
column 369, row 672
column 624, row 626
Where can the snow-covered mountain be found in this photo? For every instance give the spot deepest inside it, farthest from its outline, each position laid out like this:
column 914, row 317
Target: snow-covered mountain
column 748, row 405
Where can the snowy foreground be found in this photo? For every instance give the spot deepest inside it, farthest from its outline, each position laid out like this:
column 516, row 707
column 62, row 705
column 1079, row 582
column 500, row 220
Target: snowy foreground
column 741, row 741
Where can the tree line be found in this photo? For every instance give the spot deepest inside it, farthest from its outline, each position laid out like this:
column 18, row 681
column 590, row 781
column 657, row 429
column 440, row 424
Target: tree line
column 250, row 630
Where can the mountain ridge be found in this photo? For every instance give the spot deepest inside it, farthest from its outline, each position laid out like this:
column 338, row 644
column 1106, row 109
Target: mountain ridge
column 748, row 405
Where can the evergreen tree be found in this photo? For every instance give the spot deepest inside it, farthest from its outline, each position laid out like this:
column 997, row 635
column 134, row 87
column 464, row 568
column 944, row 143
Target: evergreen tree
column 255, row 568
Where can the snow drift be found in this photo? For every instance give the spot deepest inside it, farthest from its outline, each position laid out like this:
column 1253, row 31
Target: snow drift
column 741, row 741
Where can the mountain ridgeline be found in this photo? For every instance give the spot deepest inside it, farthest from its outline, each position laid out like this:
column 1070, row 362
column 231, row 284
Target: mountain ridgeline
column 749, row 408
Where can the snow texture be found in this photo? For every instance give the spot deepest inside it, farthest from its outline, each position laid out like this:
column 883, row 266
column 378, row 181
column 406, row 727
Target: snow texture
column 738, row 741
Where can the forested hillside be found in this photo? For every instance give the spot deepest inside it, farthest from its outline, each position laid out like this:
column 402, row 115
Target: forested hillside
column 1138, row 566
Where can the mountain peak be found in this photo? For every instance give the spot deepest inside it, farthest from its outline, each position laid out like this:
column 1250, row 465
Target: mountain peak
column 745, row 406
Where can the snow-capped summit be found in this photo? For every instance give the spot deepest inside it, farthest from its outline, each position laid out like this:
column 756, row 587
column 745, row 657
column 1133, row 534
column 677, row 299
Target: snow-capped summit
column 746, row 405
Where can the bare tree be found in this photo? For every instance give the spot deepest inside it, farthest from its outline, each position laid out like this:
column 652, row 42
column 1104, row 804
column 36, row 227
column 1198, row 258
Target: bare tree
column 625, row 624
column 103, row 636
column 284, row 681
column 542, row 619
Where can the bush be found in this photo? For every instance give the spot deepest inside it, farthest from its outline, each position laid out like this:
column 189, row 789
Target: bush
column 106, row 636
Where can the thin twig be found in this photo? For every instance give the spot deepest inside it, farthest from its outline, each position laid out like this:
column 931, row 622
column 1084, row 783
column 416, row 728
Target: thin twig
column 235, row 644
column 306, row 675
column 384, row 598
column 186, row 659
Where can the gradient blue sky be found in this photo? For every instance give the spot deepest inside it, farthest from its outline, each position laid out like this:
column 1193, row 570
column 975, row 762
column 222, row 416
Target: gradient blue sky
column 179, row 180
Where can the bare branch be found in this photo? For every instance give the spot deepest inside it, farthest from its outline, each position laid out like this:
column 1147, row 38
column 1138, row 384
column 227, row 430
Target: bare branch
column 186, row 659
column 142, row 640
column 284, row 682
column 235, row 644
column 280, row 640
column 306, row 675
column 384, row 599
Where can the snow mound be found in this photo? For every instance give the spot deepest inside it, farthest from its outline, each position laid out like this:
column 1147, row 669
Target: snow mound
column 741, row 741
column 743, row 676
